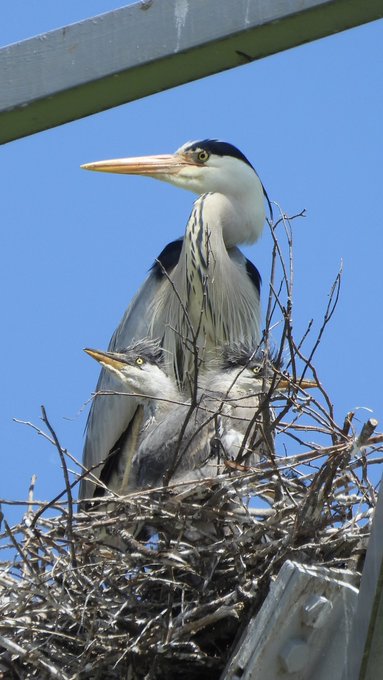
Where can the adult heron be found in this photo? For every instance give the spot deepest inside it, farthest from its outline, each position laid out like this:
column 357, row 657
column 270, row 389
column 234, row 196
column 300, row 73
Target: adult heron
column 201, row 292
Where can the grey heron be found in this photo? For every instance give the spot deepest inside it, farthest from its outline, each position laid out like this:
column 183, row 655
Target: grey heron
column 227, row 409
column 139, row 370
column 181, row 443
column 201, row 292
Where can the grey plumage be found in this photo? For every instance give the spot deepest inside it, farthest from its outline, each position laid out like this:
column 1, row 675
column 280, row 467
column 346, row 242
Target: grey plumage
column 227, row 402
column 138, row 370
column 175, row 441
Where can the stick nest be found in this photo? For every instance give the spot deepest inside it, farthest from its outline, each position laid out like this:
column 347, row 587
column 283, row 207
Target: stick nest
column 75, row 605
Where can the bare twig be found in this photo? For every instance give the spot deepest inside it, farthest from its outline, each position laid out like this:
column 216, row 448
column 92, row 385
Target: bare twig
column 67, row 484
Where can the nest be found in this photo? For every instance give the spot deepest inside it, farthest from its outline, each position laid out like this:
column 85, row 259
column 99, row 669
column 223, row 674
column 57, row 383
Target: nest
column 159, row 584
column 75, row 606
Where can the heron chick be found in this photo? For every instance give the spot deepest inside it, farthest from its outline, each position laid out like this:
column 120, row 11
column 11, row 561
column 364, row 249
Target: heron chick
column 227, row 420
column 182, row 442
column 139, row 369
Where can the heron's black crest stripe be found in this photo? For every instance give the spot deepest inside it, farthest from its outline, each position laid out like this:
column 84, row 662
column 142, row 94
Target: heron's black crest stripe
column 148, row 349
column 214, row 146
column 242, row 355
column 254, row 275
column 168, row 258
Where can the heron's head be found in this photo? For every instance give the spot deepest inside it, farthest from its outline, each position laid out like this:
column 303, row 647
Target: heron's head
column 250, row 371
column 139, row 368
column 202, row 166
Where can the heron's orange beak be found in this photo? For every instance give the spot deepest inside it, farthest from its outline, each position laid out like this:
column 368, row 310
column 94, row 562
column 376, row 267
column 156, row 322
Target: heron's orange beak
column 167, row 164
column 107, row 359
column 287, row 383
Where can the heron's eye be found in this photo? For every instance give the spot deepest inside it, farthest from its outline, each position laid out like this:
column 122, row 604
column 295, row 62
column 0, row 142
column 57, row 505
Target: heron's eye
column 202, row 156
column 257, row 369
column 139, row 361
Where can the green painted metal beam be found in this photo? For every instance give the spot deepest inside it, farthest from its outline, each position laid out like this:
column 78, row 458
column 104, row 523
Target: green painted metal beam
column 151, row 46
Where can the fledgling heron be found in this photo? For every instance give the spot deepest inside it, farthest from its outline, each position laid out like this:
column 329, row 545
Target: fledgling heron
column 140, row 372
column 181, row 444
column 201, row 292
column 226, row 419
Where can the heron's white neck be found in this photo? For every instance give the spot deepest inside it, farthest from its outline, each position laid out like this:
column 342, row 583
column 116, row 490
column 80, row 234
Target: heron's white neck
column 156, row 388
column 233, row 194
column 151, row 387
column 239, row 217
column 236, row 382
column 165, row 396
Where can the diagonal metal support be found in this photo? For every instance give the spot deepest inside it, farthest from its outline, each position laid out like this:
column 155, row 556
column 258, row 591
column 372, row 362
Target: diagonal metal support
column 151, row 46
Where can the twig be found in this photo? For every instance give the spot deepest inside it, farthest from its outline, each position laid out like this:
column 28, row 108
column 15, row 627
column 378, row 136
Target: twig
column 67, row 486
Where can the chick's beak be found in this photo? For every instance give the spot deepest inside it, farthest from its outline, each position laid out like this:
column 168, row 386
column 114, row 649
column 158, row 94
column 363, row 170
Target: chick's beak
column 302, row 384
column 106, row 358
column 166, row 164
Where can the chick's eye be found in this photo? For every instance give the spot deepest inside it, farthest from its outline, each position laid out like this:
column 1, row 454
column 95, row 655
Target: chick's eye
column 257, row 369
column 139, row 361
column 203, row 156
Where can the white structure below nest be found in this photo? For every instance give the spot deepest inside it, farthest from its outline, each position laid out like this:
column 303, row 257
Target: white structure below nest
column 302, row 629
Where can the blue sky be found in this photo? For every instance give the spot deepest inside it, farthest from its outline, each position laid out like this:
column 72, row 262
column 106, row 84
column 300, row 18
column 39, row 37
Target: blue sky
column 75, row 246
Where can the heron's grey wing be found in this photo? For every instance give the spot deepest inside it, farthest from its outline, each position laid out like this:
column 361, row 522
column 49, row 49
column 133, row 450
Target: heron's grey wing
column 110, row 415
column 162, row 456
column 251, row 293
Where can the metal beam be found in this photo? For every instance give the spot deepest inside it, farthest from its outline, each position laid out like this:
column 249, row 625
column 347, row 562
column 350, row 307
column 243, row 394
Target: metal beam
column 151, row 46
